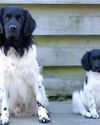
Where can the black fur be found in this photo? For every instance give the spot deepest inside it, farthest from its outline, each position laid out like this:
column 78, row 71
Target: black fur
column 91, row 60
column 21, row 37
column 39, row 104
column 85, row 61
column 86, row 80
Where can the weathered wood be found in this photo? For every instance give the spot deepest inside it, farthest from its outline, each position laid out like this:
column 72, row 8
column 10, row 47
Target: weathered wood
column 62, row 10
column 58, row 86
column 52, row 1
column 62, row 80
column 64, row 50
column 63, row 72
column 61, row 56
column 66, row 20
column 68, row 41
column 67, row 25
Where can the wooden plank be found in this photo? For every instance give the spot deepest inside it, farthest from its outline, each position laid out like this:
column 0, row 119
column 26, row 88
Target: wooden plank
column 67, row 25
column 62, row 80
column 62, row 10
column 66, row 20
column 63, row 72
column 64, row 50
column 60, row 56
column 68, row 41
column 58, row 86
column 52, row 1
column 45, row 11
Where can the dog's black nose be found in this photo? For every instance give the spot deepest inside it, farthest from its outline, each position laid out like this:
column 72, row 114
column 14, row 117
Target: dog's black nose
column 12, row 27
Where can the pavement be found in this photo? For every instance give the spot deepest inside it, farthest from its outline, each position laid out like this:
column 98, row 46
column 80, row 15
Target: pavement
column 61, row 114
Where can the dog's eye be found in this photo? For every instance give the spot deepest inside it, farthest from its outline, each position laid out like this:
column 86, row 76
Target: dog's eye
column 98, row 57
column 7, row 17
column 19, row 18
column 93, row 58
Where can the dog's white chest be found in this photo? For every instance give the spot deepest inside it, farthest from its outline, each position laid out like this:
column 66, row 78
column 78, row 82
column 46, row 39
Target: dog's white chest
column 18, row 74
column 15, row 82
column 94, row 81
column 94, row 85
column 96, row 91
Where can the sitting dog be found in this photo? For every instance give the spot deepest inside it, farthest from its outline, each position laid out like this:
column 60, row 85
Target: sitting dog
column 87, row 101
column 21, row 90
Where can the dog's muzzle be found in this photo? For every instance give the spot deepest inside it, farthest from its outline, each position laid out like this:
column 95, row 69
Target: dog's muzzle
column 12, row 28
column 96, row 68
column 12, row 32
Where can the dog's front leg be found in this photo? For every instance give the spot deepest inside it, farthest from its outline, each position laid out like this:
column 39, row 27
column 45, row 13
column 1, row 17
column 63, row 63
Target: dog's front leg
column 91, row 103
column 42, row 111
column 5, row 111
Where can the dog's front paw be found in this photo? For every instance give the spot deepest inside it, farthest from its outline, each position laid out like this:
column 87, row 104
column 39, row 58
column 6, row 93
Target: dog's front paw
column 44, row 119
column 43, row 115
column 92, row 115
column 4, row 120
column 95, row 115
column 88, row 115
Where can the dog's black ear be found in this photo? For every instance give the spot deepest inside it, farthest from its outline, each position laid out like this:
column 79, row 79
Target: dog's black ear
column 29, row 25
column 1, row 24
column 85, row 61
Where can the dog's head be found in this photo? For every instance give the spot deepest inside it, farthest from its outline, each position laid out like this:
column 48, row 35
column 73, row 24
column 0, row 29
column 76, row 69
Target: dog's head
column 15, row 22
column 91, row 60
column 16, row 27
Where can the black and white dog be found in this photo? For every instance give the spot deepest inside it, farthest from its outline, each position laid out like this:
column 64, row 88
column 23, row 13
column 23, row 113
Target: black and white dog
column 21, row 90
column 87, row 101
